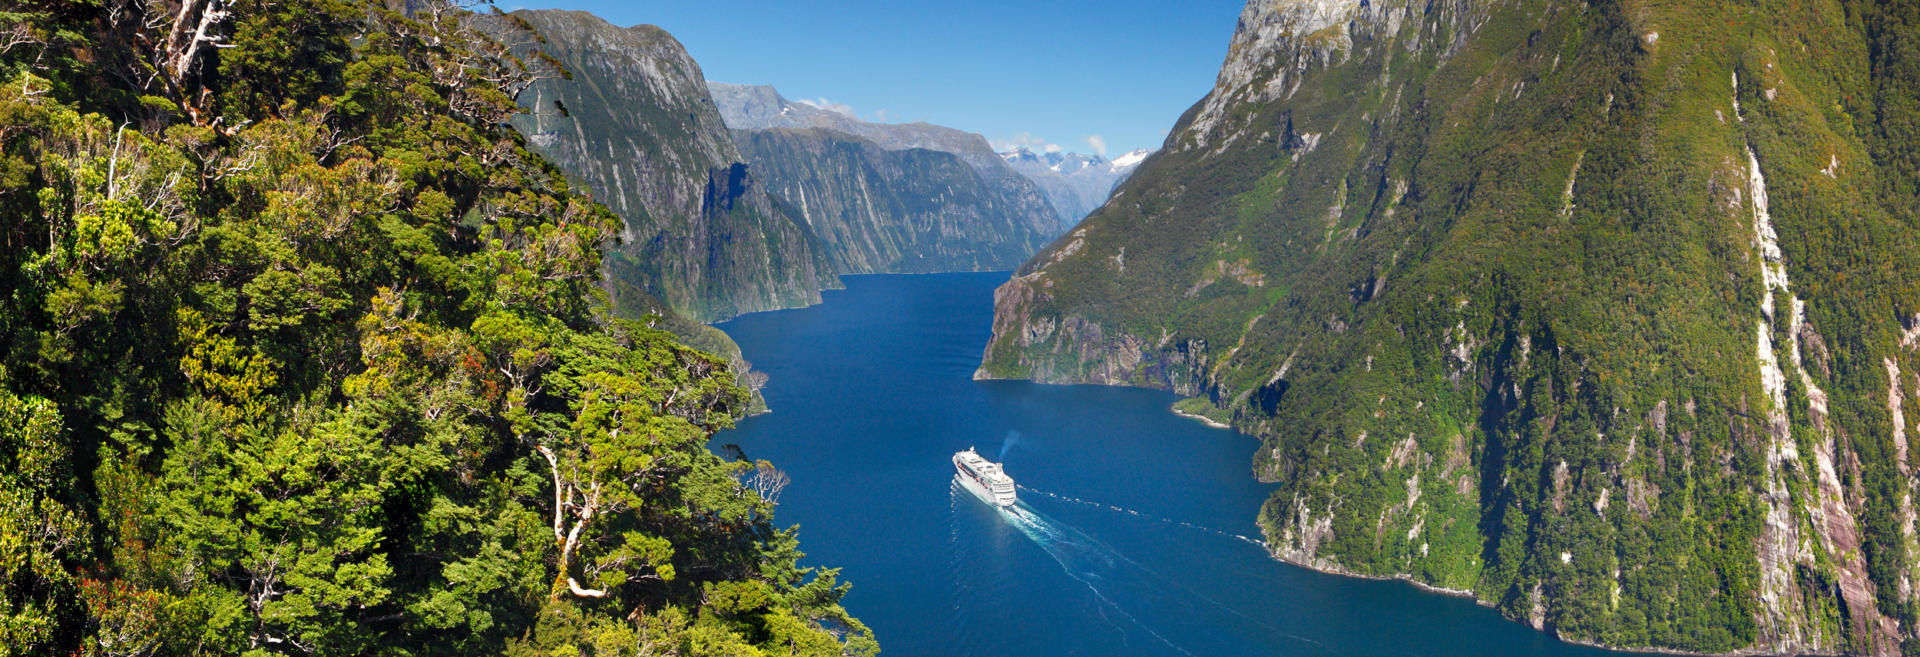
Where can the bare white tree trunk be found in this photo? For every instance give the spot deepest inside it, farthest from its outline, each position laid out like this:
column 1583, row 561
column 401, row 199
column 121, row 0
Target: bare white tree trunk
column 566, row 533
column 211, row 16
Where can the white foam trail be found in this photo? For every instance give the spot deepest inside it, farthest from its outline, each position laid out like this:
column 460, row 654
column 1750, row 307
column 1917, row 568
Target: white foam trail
column 1252, row 541
column 1037, row 525
column 1095, row 564
column 1054, row 542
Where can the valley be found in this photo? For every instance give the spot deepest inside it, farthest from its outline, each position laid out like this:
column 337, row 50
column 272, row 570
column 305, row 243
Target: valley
column 1476, row 327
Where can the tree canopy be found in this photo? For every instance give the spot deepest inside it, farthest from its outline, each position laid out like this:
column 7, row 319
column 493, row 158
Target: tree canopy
column 303, row 352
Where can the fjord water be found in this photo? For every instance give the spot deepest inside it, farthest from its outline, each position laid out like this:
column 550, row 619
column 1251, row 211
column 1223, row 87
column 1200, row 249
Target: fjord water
column 1134, row 536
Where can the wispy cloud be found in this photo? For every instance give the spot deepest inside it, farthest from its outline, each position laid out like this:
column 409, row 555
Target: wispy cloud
column 1098, row 143
column 884, row 115
column 837, row 108
column 1024, row 139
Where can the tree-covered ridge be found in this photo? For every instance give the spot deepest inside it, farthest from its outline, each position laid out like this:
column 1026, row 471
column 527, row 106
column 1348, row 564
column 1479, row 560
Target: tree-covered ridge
column 303, row 352
column 1603, row 311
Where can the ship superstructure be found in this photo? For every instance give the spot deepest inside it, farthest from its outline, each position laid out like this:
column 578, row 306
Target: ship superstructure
column 984, row 478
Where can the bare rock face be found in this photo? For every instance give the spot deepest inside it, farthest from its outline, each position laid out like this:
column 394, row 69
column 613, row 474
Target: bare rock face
column 1539, row 300
column 760, row 107
column 636, row 125
column 877, row 210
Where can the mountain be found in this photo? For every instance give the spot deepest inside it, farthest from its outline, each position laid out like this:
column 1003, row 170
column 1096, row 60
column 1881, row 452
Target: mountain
column 898, row 211
column 1076, row 183
column 633, row 122
column 760, row 107
column 1602, row 313
column 889, row 197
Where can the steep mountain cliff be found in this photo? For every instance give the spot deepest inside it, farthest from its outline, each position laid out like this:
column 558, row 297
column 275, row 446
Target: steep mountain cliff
column 633, row 121
column 1603, row 312
column 898, row 211
column 749, row 107
column 1076, row 183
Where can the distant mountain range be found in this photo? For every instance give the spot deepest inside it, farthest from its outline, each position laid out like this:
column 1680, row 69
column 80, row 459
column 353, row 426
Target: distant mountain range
column 760, row 107
column 889, row 197
column 1076, row 183
column 898, row 211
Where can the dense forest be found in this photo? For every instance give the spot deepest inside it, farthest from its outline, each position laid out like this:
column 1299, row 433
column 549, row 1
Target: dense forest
column 303, row 352
column 1602, row 311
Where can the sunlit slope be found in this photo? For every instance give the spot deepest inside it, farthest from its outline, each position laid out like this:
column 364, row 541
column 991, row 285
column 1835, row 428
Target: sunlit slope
column 632, row 120
column 1602, row 312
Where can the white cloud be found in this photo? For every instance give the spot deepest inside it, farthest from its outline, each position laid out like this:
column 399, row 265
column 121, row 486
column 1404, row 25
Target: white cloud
column 1024, row 139
column 837, row 108
column 884, row 115
column 1099, row 144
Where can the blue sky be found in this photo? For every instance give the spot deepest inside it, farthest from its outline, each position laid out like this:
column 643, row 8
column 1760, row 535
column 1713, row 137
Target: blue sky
column 1063, row 72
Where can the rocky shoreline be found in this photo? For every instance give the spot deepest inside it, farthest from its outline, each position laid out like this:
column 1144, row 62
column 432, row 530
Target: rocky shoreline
column 1469, row 594
column 1202, row 419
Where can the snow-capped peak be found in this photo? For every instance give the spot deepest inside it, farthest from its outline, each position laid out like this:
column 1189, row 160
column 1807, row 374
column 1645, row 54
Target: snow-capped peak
column 1131, row 159
column 1019, row 154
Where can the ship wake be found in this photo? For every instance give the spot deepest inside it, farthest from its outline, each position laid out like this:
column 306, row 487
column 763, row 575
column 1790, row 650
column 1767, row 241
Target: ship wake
column 1092, row 563
column 1116, row 581
column 1168, row 521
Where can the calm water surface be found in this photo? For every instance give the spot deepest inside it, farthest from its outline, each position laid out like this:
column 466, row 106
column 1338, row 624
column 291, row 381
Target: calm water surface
column 1134, row 532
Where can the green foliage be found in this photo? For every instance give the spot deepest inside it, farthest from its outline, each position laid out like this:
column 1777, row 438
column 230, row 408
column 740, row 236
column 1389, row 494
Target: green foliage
column 1491, row 301
column 40, row 528
column 302, row 351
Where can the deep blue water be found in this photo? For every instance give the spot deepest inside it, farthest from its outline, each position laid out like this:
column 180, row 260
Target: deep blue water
column 1133, row 533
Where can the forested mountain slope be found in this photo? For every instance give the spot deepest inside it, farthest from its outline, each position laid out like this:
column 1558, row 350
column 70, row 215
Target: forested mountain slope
column 895, row 211
column 633, row 122
column 1603, row 311
column 303, row 352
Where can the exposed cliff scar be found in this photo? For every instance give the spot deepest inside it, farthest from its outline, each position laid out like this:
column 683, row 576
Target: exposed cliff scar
column 1566, row 198
column 1828, row 513
column 806, row 212
column 1780, row 599
column 1894, row 409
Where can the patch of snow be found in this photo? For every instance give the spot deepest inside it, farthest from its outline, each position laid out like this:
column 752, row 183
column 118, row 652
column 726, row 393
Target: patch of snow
column 1131, row 159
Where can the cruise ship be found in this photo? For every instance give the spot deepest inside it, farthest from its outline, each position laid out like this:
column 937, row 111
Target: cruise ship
column 984, row 478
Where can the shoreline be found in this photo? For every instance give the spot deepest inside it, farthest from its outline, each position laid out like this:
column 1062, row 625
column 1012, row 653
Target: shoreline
column 1201, row 418
column 1555, row 633
column 979, row 374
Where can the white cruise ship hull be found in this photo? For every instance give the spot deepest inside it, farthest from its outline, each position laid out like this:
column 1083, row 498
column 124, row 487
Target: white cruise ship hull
column 984, row 478
column 981, row 491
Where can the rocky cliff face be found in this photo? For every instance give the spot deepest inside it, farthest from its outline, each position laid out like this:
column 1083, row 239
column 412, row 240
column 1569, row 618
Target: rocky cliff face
column 634, row 122
column 1603, row 311
column 899, row 211
column 752, row 108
